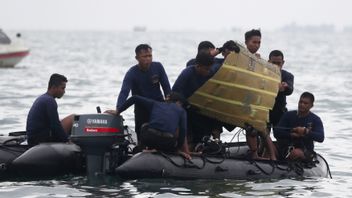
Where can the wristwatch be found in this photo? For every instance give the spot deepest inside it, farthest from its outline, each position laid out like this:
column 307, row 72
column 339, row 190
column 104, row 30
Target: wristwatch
column 305, row 131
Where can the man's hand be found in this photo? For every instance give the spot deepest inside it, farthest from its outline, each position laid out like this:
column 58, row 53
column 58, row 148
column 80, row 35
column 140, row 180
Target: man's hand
column 112, row 112
column 283, row 86
column 299, row 131
column 214, row 52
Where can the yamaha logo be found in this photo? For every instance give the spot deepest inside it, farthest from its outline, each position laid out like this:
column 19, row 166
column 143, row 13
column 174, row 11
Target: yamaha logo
column 97, row 121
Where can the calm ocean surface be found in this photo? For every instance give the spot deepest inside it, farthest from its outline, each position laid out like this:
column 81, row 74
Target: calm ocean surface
column 95, row 64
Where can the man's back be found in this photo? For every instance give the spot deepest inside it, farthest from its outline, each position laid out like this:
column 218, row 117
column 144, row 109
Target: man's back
column 43, row 122
column 165, row 117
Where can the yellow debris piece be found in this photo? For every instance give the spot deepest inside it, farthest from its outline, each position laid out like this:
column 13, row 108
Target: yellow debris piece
column 241, row 92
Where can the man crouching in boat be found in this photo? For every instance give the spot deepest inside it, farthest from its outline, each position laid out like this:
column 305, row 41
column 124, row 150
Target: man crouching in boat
column 43, row 124
column 297, row 130
column 166, row 129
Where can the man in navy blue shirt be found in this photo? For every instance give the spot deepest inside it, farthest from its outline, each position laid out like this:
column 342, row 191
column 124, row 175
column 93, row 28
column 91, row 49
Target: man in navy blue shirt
column 143, row 79
column 167, row 125
column 206, row 46
column 190, row 79
column 297, row 131
column 43, row 124
column 285, row 88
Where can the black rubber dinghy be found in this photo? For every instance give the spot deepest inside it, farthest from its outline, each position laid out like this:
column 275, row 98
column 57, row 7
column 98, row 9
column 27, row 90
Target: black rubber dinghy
column 161, row 165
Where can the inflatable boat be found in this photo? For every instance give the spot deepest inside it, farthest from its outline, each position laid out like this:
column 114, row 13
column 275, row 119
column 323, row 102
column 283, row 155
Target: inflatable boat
column 108, row 153
column 18, row 160
column 222, row 166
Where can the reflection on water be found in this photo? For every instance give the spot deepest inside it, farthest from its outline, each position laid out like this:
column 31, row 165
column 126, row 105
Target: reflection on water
column 114, row 187
column 95, row 63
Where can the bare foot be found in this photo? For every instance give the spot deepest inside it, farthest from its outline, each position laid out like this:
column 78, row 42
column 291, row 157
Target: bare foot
column 185, row 155
column 273, row 158
column 254, row 156
column 260, row 158
column 199, row 153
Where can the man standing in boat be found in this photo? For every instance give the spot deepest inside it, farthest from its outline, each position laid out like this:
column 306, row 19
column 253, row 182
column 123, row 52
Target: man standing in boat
column 43, row 124
column 167, row 125
column 143, row 79
column 285, row 88
column 190, row 79
column 253, row 41
column 206, row 46
column 297, row 131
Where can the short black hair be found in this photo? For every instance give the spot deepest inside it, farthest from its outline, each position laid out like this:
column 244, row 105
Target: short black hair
column 205, row 45
column 253, row 32
column 231, row 46
column 308, row 95
column 276, row 53
column 56, row 80
column 141, row 47
column 204, row 58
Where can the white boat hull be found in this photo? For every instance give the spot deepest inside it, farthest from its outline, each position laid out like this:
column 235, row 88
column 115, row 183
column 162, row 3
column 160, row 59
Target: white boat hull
column 12, row 58
column 11, row 52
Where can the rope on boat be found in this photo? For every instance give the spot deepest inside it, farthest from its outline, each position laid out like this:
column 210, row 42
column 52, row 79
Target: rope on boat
column 186, row 163
column 129, row 136
column 13, row 151
column 295, row 166
column 272, row 164
column 190, row 164
column 215, row 162
column 287, row 168
column 298, row 168
column 327, row 165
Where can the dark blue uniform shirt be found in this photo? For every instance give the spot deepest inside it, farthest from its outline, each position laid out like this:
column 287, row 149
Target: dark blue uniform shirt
column 279, row 107
column 43, row 122
column 165, row 117
column 291, row 120
column 280, row 100
column 189, row 81
column 145, row 83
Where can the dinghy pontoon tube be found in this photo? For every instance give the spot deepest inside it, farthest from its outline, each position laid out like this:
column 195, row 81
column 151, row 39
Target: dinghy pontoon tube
column 229, row 163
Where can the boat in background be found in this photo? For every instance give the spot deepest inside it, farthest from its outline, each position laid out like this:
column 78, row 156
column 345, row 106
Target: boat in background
column 139, row 29
column 11, row 52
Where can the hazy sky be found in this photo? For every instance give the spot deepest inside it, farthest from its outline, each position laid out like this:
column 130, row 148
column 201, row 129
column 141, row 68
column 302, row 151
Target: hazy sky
column 171, row 14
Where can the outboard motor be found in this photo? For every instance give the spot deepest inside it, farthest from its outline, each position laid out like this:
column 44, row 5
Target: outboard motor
column 101, row 137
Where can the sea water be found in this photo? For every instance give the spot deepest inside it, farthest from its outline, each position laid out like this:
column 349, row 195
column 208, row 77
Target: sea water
column 96, row 62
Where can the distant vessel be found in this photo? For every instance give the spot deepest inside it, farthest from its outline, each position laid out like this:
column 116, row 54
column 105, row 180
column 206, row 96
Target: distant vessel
column 139, row 28
column 11, row 52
